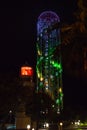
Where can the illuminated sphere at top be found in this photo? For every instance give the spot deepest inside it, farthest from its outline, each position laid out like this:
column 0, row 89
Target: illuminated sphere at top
column 46, row 19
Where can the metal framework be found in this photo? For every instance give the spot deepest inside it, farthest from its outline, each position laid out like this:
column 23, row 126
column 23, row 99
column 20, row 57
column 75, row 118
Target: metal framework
column 49, row 67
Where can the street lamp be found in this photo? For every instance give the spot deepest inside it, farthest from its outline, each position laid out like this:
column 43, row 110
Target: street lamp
column 47, row 125
column 60, row 127
column 28, row 127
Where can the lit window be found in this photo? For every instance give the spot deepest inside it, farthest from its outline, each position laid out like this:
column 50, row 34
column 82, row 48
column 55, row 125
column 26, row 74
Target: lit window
column 26, row 71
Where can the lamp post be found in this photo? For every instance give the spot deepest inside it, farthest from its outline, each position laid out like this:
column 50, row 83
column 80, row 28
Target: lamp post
column 60, row 126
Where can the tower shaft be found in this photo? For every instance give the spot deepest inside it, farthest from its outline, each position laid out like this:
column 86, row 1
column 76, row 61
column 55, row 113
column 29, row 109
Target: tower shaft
column 49, row 67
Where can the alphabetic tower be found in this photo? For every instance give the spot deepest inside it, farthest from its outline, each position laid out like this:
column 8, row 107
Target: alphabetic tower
column 49, row 67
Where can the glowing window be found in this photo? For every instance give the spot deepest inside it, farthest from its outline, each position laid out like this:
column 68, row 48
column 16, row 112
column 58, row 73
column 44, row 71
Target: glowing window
column 26, row 71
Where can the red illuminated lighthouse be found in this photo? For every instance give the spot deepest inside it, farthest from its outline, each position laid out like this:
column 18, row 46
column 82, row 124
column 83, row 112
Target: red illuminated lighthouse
column 26, row 75
column 26, row 93
column 26, row 81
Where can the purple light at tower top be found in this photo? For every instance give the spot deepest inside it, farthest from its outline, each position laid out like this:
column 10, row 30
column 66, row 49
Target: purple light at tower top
column 49, row 16
column 46, row 19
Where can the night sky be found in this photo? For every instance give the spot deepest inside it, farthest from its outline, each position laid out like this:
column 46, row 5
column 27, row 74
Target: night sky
column 18, row 29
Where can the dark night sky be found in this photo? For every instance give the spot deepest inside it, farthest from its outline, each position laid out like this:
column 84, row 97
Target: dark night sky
column 18, row 29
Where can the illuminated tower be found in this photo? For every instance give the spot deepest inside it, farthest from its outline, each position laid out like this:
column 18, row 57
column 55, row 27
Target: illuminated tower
column 26, row 87
column 26, row 82
column 26, row 75
column 49, row 67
